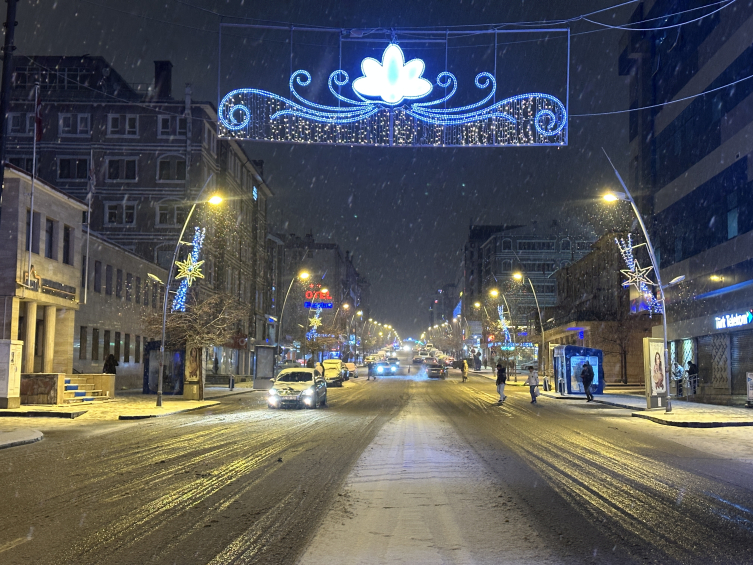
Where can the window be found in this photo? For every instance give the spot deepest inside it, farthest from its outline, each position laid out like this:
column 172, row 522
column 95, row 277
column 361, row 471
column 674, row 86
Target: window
column 68, row 245
column 111, row 213
column 113, row 124
column 256, row 194
column 506, row 245
column 565, row 245
column 73, row 124
column 82, row 342
column 95, row 344
column 132, row 125
column 164, row 125
column 121, row 169
column 129, row 214
column 117, row 346
column 182, row 126
column 127, row 349
column 19, row 123
column 97, row 277
column 171, row 169
column 732, row 213
column 108, row 280
column 163, row 216
column 120, row 214
column 73, row 169
column 678, row 249
column 129, row 287
column 164, row 170
column 137, row 350
column 137, row 289
column 171, row 215
column 83, row 271
column 106, row 344
column 180, row 169
column 119, row 283
column 536, row 245
column 25, row 163
column 50, row 249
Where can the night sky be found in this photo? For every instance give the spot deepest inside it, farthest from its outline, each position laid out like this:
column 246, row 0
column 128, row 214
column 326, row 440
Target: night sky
column 404, row 213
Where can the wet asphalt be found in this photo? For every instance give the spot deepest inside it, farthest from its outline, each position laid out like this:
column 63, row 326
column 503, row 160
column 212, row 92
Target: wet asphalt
column 241, row 484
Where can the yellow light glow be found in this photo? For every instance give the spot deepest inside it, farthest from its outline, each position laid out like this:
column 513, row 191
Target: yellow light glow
column 716, row 278
column 216, row 199
column 346, row 306
column 494, row 292
column 360, row 313
column 517, row 276
column 609, row 197
column 303, row 275
column 477, row 304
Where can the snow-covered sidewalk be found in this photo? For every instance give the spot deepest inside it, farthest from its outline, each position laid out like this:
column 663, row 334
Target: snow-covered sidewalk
column 419, row 495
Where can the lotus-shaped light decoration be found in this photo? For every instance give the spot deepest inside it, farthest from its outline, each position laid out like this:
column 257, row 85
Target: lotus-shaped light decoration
column 393, row 80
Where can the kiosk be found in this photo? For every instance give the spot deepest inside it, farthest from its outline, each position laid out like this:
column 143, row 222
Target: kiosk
column 568, row 362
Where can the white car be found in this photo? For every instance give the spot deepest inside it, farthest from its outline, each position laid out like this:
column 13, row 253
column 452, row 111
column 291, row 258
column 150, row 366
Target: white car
column 298, row 388
column 334, row 372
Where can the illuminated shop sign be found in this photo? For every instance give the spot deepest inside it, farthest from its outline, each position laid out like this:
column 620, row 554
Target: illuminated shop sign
column 733, row 320
column 322, row 305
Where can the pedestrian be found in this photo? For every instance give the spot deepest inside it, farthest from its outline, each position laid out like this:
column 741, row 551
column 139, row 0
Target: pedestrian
column 501, row 380
column 110, row 364
column 310, row 364
column 693, row 376
column 485, row 362
column 587, row 376
column 465, row 370
column 533, row 382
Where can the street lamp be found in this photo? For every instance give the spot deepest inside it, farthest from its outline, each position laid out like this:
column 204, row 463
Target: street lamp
column 627, row 197
column 519, row 276
column 303, row 275
column 214, row 200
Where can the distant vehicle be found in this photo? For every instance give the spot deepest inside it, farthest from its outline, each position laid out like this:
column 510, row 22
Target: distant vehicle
column 352, row 370
column 417, row 360
column 429, row 346
column 370, row 359
column 436, row 370
column 288, row 364
column 298, row 388
column 423, row 353
column 382, row 368
column 334, row 372
column 448, row 361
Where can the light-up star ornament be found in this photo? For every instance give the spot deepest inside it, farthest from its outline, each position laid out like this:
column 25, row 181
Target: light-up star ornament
column 315, row 322
column 637, row 276
column 189, row 270
column 393, row 80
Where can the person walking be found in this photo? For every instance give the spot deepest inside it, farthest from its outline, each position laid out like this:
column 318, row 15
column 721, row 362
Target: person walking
column 533, row 382
column 501, row 380
column 465, row 370
column 110, row 364
column 486, row 362
column 587, row 376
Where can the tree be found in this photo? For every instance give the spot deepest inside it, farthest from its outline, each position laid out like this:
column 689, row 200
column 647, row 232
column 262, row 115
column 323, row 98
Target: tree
column 213, row 320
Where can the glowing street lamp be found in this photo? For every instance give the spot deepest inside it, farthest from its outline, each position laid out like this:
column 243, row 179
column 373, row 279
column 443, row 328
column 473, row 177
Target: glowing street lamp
column 303, row 275
column 494, row 292
column 214, row 200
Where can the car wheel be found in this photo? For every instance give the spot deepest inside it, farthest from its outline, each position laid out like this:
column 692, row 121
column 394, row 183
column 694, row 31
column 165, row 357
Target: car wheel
column 324, row 402
column 315, row 405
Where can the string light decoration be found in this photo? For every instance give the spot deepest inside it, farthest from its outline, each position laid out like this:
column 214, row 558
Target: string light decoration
column 314, row 322
column 637, row 276
column 189, row 270
column 503, row 324
column 381, row 115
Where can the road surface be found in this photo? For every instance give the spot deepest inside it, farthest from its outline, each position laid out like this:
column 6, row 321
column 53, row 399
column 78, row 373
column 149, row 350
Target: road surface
column 399, row 470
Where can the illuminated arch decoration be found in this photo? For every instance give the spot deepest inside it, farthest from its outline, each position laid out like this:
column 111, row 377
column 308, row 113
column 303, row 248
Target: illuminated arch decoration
column 637, row 276
column 189, row 270
column 386, row 111
column 503, row 325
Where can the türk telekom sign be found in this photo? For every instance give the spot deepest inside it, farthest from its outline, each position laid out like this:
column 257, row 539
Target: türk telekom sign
column 726, row 321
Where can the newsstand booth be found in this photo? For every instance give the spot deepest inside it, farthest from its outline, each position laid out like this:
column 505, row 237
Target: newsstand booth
column 568, row 363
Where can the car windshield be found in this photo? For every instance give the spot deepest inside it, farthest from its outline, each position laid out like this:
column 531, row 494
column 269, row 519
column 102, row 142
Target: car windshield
column 295, row 377
column 393, row 359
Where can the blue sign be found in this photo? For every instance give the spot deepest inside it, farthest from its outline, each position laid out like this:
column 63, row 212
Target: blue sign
column 322, row 305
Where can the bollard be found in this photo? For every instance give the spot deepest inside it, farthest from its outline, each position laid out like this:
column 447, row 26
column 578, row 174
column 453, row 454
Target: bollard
column 232, row 382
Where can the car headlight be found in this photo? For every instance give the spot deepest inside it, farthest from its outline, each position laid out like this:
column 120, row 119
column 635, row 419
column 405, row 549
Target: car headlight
column 394, row 368
column 273, row 392
column 380, row 369
column 308, row 392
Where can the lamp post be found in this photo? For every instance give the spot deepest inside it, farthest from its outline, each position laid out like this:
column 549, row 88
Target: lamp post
column 303, row 275
column 627, row 197
column 519, row 276
column 214, row 200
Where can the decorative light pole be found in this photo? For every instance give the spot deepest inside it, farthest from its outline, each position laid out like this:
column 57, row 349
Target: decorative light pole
column 303, row 275
column 518, row 277
column 627, row 197
column 214, row 200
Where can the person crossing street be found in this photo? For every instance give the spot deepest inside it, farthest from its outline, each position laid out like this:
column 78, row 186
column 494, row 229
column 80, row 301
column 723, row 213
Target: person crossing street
column 501, row 380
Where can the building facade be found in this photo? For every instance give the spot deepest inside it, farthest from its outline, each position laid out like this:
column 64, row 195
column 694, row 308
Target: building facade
column 142, row 157
column 692, row 165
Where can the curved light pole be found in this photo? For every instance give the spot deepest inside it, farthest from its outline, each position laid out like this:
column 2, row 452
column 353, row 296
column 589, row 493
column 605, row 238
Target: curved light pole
column 519, row 276
column 627, row 197
column 214, row 200
column 303, row 275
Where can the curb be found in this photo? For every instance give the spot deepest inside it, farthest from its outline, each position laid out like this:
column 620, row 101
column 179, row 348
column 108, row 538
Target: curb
column 607, row 402
column 147, row 416
column 34, row 439
column 236, row 393
column 692, row 424
column 43, row 414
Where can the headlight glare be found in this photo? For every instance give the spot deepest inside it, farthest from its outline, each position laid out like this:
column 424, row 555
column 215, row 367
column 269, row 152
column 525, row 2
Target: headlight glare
column 308, row 392
column 273, row 392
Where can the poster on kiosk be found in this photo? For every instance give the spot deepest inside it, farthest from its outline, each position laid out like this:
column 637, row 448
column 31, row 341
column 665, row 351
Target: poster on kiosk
column 653, row 369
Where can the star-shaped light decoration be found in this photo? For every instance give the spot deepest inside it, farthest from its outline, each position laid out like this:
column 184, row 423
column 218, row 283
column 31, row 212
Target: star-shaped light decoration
column 637, row 277
column 315, row 322
column 189, row 269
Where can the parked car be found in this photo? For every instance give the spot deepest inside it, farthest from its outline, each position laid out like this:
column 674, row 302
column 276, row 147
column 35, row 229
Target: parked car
column 352, row 370
column 287, row 364
column 334, row 372
column 298, row 388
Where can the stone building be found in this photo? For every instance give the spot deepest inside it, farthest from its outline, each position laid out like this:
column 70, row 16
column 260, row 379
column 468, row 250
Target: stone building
column 146, row 155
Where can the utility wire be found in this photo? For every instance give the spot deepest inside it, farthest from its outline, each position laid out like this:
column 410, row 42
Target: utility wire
column 626, row 28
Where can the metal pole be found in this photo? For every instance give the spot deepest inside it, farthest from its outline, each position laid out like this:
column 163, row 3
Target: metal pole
column 8, row 48
column 282, row 312
column 541, row 321
column 88, row 224
column 33, row 179
column 167, row 292
column 651, row 254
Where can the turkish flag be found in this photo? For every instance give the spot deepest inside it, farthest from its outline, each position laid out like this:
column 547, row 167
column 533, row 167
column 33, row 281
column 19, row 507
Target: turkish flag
column 38, row 120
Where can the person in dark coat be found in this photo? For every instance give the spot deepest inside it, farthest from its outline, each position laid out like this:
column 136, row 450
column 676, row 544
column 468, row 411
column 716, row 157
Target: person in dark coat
column 501, row 380
column 587, row 376
column 110, row 364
